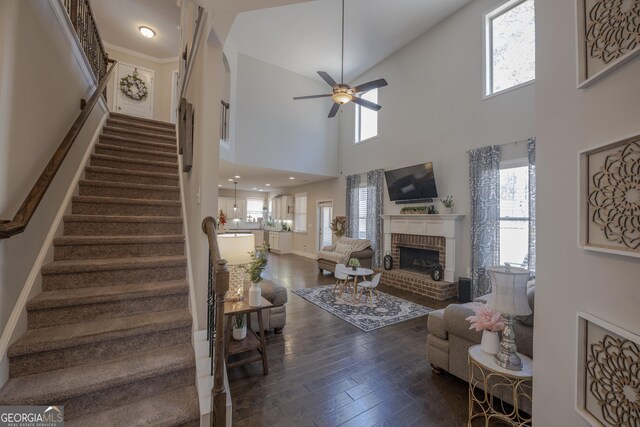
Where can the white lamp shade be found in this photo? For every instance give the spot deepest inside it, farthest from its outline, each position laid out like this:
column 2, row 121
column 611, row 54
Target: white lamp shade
column 509, row 290
column 235, row 248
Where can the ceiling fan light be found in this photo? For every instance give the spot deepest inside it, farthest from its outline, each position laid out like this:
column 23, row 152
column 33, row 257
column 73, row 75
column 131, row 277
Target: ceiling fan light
column 341, row 98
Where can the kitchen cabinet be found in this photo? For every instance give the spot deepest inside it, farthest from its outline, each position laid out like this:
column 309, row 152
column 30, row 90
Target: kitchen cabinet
column 283, row 207
column 258, row 236
column 226, row 205
column 281, row 242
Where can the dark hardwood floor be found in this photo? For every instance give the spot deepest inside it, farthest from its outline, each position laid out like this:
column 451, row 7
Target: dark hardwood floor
column 325, row 372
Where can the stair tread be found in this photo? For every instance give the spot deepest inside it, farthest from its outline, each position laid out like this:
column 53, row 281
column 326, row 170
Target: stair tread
column 100, row 294
column 106, row 169
column 74, row 334
column 63, row 384
column 123, row 123
column 125, row 201
column 137, row 161
column 122, row 218
column 139, row 133
column 129, row 185
column 116, row 240
column 172, row 156
column 138, row 141
column 105, row 264
column 175, row 407
column 140, row 119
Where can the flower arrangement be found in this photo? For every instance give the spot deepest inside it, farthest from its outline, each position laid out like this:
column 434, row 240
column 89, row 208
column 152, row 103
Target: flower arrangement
column 353, row 263
column 339, row 226
column 485, row 319
column 132, row 86
column 258, row 263
column 447, row 201
column 222, row 218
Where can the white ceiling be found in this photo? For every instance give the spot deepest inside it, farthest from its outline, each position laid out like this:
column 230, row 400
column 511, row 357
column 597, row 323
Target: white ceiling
column 119, row 20
column 306, row 37
column 255, row 179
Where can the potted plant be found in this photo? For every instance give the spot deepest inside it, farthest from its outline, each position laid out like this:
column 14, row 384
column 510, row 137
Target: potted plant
column 239, row 327
column 354, row 263
column 490, row 322
column 255, row 268
column 447, row 202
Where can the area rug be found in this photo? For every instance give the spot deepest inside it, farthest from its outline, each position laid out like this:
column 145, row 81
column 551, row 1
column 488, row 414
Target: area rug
column 367, row 316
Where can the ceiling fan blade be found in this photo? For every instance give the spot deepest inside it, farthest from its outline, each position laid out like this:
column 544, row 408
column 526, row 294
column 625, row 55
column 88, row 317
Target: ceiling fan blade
column 367, row 104
column 327, row 78
column 374, row 84
column 334, row 110
column 312, row 96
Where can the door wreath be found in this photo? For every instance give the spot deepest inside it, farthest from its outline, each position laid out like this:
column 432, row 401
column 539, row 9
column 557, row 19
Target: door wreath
column 134, row 87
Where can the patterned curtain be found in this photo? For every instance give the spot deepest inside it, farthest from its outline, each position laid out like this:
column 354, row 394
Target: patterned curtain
column 484, row 180
column 531, row 149
column 375, row 207
column 353, row 211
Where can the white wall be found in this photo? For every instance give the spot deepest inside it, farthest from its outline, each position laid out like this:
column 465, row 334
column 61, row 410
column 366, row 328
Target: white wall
column 433, row 110
column 569, row 279
column 41, row 86
column 271, row 130
column 162, row 84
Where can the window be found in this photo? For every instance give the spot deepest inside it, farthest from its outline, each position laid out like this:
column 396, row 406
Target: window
column 362, row 213
column 510, row 34
column 366, row 119
column 514, row 216
column 300, row 213
column 254, row 209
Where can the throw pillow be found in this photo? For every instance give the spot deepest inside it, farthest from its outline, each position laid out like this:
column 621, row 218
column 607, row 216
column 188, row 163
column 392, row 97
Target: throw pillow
column 531, row 295
column 344, row 249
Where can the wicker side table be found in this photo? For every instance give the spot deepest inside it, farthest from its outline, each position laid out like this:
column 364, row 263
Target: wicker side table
column 488, row 382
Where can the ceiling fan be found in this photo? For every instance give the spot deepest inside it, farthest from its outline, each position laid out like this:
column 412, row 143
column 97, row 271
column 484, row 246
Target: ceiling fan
column 342, row 92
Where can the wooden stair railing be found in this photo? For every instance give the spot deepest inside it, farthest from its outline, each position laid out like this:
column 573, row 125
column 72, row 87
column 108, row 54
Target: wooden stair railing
column 218, row 287
column 20, row 221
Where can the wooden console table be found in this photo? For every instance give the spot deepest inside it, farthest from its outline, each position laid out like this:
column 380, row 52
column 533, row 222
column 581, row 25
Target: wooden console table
column 252, row 341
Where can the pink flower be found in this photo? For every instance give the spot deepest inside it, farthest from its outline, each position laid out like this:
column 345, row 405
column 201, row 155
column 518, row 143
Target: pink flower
column 485, row 319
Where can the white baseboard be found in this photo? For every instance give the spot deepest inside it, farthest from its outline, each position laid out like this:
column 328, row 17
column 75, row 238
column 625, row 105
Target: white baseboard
column 304, row 254
column 17, row 324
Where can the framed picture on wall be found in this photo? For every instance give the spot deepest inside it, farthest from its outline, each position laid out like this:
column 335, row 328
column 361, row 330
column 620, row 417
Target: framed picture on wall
column 608, row 380
column 609, row 198
column 608, row 33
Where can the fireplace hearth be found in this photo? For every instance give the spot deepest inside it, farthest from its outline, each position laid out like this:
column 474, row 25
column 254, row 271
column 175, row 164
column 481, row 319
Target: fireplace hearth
column 419, row 260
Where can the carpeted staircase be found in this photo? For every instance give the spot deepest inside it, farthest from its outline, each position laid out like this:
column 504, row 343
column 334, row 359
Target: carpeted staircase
column 109, row 337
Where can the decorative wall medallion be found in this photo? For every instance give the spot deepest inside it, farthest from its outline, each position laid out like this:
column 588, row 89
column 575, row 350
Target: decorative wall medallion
column 608, row 36
column 610, row 193
column 608, row 391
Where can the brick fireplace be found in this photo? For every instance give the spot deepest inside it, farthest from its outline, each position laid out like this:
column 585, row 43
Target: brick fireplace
column 416, row 243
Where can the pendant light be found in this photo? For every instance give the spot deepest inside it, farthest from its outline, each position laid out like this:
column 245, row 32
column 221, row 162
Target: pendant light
column 235, row 199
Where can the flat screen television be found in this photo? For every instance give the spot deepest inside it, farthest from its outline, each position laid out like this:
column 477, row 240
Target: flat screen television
column 411, row 183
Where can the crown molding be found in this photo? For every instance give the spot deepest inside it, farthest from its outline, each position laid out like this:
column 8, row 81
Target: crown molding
column 140, row 54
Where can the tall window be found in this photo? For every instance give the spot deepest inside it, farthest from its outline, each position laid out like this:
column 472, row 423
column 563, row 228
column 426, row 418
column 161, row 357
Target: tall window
column 362, row 214
column 254, row 209
column 300, row 213
column 510, row 34
column 366, row 119
column 514, row 216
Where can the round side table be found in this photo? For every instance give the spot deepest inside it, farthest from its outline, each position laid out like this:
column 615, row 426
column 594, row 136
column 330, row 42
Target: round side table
column 488, row 383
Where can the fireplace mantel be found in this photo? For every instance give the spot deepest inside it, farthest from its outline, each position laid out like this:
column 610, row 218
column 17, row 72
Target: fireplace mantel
column 447, row 226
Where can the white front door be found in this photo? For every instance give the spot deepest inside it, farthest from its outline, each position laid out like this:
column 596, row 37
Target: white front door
column 126, row 105
column 325, row 213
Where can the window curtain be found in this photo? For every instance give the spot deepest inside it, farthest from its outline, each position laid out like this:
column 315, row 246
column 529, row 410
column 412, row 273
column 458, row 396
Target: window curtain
column 375, row 207
column 484, row 182
column 353, row 211
column 531, row 149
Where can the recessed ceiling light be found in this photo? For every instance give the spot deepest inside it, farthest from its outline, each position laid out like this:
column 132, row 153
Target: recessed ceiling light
column 237, row 177
column 147, row 32
column 268, row 185
column 230, row 180
column 292, row 177
column 254, row 188
column 219, row 185
column 260, row 190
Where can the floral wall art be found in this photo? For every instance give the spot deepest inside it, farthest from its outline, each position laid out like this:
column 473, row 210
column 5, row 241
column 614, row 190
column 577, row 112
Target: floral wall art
column 608, row 389
column 608, row 34
column 610, row 198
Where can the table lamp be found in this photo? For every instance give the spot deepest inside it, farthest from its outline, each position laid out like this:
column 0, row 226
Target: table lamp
column 509, row 297
column 235, row 248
